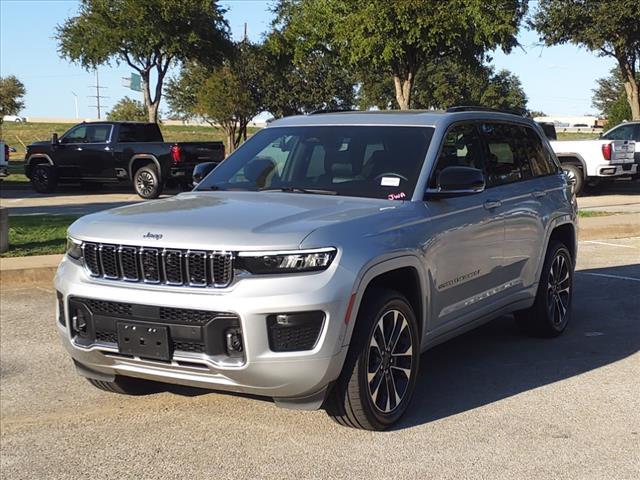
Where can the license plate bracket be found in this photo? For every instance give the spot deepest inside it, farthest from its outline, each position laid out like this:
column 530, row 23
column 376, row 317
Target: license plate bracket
column 144, row 340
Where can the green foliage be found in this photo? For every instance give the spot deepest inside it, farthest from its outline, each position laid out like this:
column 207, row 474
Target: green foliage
column 300, row 71
column 37, row 234
column 11, row 92
column 227, row 96
column 610, row 98
column 445, row 83
column 396, row 38
column 147, row 35
column 607, row 27
column 128, row 109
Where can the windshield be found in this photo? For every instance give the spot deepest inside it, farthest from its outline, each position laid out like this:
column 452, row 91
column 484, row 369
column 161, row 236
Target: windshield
column 362, row 161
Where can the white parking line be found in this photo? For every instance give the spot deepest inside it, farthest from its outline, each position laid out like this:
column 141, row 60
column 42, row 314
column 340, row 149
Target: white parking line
column 619, row 277
column 608, row 244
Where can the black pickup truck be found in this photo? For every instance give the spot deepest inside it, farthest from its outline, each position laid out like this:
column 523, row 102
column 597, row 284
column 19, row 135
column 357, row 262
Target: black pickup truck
column 96, row 153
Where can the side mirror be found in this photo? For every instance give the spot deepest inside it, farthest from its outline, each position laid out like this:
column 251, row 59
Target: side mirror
column 457, row 181
column 54, row 139
column 202, row 170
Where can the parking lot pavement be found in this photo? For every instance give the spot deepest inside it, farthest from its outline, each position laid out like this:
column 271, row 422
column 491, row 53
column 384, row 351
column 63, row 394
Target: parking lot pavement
column 69, row 201
column 490, row 404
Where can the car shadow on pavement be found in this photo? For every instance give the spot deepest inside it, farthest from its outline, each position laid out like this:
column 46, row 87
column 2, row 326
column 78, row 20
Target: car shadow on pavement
column 497, row 361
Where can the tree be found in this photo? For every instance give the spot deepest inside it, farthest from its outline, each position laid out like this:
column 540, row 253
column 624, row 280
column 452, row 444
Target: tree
column 608, row 27
column 442, row 84
column 128, row 109
column 300, row 72
column 610, row 98
column 148, row 35
column 397, row 37
column 11, row 92
column 228, row 96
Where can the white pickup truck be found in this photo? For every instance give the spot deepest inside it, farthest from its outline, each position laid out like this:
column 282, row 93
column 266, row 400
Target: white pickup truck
column 4, row 160
column 615, row 154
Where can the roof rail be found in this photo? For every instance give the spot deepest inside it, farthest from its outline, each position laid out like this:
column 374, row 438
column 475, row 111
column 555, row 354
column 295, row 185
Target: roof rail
column 331, row 110
column 473, row 108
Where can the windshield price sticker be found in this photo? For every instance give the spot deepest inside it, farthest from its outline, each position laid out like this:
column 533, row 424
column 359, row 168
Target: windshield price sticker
column 390, row 182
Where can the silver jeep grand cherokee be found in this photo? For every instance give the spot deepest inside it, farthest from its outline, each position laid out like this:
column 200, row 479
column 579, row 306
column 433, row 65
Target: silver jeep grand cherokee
column 317, row 262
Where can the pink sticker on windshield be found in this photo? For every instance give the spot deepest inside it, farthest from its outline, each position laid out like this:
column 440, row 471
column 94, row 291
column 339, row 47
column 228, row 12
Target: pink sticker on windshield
column 396, row 196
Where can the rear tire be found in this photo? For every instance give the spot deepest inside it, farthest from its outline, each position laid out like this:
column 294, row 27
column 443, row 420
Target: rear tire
column 147, row 183
column 551, row 311
column 380, row 371
column 125, row 386
column 574, row 172
column 44, row 178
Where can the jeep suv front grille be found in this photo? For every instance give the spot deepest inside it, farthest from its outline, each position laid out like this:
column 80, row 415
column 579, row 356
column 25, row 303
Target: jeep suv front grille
column 195, row 268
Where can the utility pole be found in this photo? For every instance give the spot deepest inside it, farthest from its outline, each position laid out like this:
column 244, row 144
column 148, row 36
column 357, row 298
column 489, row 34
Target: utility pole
column 245, row 32
column 97, row 96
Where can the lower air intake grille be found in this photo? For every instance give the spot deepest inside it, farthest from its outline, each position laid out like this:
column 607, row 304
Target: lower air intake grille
column 294, row 331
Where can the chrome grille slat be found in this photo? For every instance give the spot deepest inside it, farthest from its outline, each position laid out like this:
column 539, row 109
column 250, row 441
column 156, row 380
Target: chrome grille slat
column 168, row 266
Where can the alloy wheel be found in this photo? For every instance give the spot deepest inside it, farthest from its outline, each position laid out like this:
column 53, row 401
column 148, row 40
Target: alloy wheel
column 145, row 183
column 559, row 290
column 389, row 362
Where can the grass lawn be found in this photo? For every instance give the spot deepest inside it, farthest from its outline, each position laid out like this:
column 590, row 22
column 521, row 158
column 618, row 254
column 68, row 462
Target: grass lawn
column 37, row 234
column 595, row 213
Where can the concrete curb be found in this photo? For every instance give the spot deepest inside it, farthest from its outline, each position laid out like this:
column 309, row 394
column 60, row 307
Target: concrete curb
column 18, row 271
column 610, row 226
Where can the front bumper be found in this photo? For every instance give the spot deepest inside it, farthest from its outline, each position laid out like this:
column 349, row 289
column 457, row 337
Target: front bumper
column 289, row 377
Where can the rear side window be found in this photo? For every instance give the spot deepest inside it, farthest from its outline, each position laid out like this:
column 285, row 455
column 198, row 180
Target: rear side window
column 509, row 150
column 623, row 132
column 139, row 132
column 539, row 158
column 98, row 133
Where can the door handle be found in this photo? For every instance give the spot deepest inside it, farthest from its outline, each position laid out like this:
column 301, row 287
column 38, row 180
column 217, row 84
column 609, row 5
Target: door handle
column 490, row 204
column 539, row 194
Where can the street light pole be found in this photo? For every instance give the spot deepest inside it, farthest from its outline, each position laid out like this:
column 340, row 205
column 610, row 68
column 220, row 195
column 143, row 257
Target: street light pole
column 75, row 98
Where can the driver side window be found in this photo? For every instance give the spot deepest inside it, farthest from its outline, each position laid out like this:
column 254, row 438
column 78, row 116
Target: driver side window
column 77, row 135
column 461, row 147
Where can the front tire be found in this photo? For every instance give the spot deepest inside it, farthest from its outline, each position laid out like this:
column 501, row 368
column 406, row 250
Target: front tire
column 551, row 311
column 380, row 371
column 44, row 178
column 146, row 182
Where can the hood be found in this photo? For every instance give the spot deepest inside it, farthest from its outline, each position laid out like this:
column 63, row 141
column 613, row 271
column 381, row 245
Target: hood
column 39, row 143
column 223, row 220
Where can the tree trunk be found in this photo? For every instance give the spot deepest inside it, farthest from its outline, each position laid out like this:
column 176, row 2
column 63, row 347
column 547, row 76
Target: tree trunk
column 403, row 88
column 152, row 107
column 631, row 86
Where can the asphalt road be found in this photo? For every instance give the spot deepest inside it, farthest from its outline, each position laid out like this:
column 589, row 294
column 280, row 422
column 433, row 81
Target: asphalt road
column 619, row 197
column 491, row 404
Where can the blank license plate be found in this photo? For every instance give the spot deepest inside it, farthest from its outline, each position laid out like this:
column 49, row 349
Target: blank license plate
column 144, row 340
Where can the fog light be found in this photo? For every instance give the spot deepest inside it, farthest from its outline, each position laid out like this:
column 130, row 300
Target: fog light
column 233, row 338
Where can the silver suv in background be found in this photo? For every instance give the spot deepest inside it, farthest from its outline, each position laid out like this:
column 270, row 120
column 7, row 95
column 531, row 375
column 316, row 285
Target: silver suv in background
column 317, row 262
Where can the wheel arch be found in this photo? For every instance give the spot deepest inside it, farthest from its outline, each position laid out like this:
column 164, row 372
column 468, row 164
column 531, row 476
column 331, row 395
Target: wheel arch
column 564, row 230
column 403, row 274
column 36, row 159
column 573, row 159
column 140, row 160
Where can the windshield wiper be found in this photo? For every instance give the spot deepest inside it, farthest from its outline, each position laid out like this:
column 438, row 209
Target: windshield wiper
column 319, row 191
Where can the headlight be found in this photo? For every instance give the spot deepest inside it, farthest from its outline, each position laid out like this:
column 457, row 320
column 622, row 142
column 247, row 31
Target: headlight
column 74, row 248
column 286, row 262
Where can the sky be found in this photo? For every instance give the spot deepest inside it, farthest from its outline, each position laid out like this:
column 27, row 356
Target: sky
column 557, row 80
